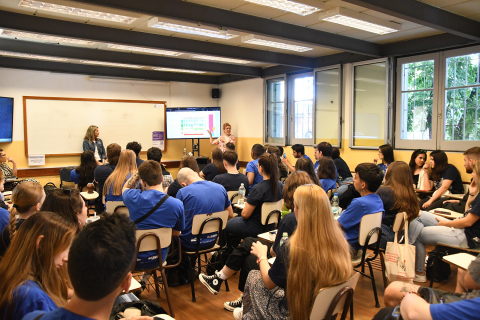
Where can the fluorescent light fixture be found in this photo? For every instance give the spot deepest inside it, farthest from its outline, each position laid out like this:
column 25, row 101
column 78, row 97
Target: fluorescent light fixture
column 45, row 6
column 177, row 70
column 220, row 59
column 279, row 45
column 360, row 21
column 43, row 37
column 146, row 50
column 31, row 56
column 127, row 80
column 221, row 34
column 111, row 64
column 291, row 6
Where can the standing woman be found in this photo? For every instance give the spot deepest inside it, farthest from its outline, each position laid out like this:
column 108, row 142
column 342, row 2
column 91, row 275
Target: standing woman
column 84, row 173
column 227, row 137
column 417, row 161
column 32, row 272
column 385, row 155
column 126, row 167
column 93, row 143
column 214, row 168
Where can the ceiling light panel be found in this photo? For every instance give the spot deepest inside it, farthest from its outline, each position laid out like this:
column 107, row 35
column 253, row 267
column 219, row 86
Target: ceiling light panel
column 177, row 70
column 220, row 34
column 145, row 50
column 252, row 39
column 291, row 6
column 360, row 21
column 220, row 59
column 45, row 6
column 111, row 64
column 31, row 56
column 43, row 37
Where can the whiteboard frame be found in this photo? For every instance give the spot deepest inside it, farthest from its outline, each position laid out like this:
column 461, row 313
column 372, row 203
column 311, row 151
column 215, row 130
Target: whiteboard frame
column 25, row 129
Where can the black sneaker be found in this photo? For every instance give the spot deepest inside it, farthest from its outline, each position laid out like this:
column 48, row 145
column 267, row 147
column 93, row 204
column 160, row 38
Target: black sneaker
column 230, row 306
column 212, row 283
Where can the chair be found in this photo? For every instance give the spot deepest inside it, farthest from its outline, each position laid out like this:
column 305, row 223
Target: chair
column 370, row 231
column 157, row 239
column 65, row 177
column 333, row 300
column 269, row 210
column 117, row 206
column 206, row 223
column 233, row 195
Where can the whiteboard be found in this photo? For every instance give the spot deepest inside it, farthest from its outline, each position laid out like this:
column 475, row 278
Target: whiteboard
column 57, row 126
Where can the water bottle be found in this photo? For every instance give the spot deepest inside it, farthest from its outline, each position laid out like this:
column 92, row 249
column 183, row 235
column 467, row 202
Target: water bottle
column 335, row 205
column 284, row 239
column 184, row 152
column 241, row 195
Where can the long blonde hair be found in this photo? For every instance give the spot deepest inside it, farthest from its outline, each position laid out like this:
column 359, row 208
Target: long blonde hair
column 24, row 197
column 319, row 254
column 90, row 135
column 126, row 164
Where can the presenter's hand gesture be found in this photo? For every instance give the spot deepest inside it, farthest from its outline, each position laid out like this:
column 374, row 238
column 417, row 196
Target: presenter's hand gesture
column 209, row 132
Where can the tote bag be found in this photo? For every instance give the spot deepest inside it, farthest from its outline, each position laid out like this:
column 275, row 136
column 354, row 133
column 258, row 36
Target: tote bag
column 400, row 258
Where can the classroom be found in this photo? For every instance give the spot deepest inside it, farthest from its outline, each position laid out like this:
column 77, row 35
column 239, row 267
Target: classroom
column 298, row 78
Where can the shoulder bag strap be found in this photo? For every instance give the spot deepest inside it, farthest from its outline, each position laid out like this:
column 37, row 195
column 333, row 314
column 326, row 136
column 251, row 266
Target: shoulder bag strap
column 152, row 210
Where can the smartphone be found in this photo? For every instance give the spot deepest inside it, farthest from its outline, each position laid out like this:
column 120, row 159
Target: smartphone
column 284, row 155
column 443, row 212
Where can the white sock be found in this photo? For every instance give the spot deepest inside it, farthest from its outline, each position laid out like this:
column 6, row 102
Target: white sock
column 222, row 275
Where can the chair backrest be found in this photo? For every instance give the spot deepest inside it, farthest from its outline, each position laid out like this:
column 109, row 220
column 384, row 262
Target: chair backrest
column 398, row 224
column 369, row 222
column 149, row 242
column 209, row 227
column 233, row 196
column 65, row 174
column 111, row 205
column 326, row 297
column 268, row 207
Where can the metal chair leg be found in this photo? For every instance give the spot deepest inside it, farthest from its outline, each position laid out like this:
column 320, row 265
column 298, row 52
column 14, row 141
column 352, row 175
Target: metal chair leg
column 351, row 310
column 155, row 279
column 165, row 285
column 377, row 304
column 191, row 278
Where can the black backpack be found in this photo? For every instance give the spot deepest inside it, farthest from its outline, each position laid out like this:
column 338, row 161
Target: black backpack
column 49, row 188
column 441, row 271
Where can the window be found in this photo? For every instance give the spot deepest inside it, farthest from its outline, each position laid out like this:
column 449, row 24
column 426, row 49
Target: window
column 370, row 100
column 275, row 111
column 300, row 109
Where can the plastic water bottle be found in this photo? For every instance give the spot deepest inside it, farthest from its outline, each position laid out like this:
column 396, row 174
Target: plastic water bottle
column 184, row 152
column 284, row 238
column 241, row 195
column 335, row 204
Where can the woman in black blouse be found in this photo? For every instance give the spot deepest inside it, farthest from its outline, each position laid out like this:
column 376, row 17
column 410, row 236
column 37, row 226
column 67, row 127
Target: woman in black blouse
column 417, row 161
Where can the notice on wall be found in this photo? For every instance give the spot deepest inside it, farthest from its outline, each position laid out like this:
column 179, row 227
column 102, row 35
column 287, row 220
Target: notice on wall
column 36, row 160
column 158, row 139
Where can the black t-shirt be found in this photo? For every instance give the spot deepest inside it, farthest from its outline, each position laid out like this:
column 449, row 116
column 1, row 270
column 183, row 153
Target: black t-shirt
column 260, row 193
column 473, row 232
column 173, row 188
column 342, row 168
column 232, row 182
column 101, row 175
column 5, row 243
column 164, row 170
column 288, row 224
column 388, row 198
column 210, row 171
column 415, row 179
column 451, row 173
column 279, row 269
column 139, row 161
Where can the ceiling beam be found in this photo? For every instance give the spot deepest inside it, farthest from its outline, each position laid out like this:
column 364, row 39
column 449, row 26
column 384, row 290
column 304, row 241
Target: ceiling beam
column 59, row 67
column 193, row 12
column 29, row 23
column 123, row 57
column 425, row 14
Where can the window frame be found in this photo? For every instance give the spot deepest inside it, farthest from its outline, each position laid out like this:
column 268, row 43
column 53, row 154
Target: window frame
column 285, row 109
column 291, row 110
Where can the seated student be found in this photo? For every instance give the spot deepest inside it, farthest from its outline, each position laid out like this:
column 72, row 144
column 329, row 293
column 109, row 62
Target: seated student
column 417, row 161
column 230, row 146
column 252, row 167
column 102, row 172
column 186, row 162
column 231, row 180
column 4, row 214
column 304, row 164
column 170, row 214
column 27, row 199
column 84, row 173
column 155, row 154
column 323, row 149
column 135, row 147
column 242, row 259
column 214, row 168
column 326, row 174
column 270, row 189
column 397, row 195
column 67, row 203
column 298, row 151
column 385, row 155
column 9, row 173
column 125, row 168
column 110, row 239
column 367, row 180
column 444, row 178
column 32, row 272
column 429, row 229
column 199, row 197
column 344, row 174
column 282, row 168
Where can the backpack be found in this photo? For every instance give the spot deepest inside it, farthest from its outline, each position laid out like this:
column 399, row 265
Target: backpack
column 49, row 188
column 440, row 272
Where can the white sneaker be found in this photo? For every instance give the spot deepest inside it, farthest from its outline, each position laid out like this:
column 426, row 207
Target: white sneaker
column 238, row 313
column 420, row 278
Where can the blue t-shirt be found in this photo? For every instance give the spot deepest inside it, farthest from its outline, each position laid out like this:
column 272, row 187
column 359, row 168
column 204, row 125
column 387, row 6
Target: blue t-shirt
column 328, row 184
column 169, row 215
column 4, row 219
column 460, row 310
column 199, row 198
column 27, row 298
column 305, row 156
column 252, row 166
column 351, row 217
column 74, row 176
column 383, row 167
column 59, row 314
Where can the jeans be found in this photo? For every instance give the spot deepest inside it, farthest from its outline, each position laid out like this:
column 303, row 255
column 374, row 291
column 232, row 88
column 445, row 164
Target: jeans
column 243, row 228
column 424, row 231
column 343, row 186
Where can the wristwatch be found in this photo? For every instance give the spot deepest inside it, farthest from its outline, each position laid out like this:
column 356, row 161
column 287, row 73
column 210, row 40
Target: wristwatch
column 261, row 258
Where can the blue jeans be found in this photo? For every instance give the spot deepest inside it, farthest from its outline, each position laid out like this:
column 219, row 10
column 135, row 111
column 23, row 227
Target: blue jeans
column 243, row 228
column 343, row 186
column 424, row 230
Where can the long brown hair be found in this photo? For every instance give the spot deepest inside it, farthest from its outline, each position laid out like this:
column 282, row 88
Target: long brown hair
column 24, row 197
column 294, row 180
column 399, row 179
column 86, row 169
column 67, row 203
column 319, row 254
column 326, row 168
column 306, row 165
column 269, row 164
column 217, row 157
column 25, row 260
column 441, row 162
column 189, row 162
column 281, row 167
column 412, row 164
column 90, row 134
column 126, row 164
